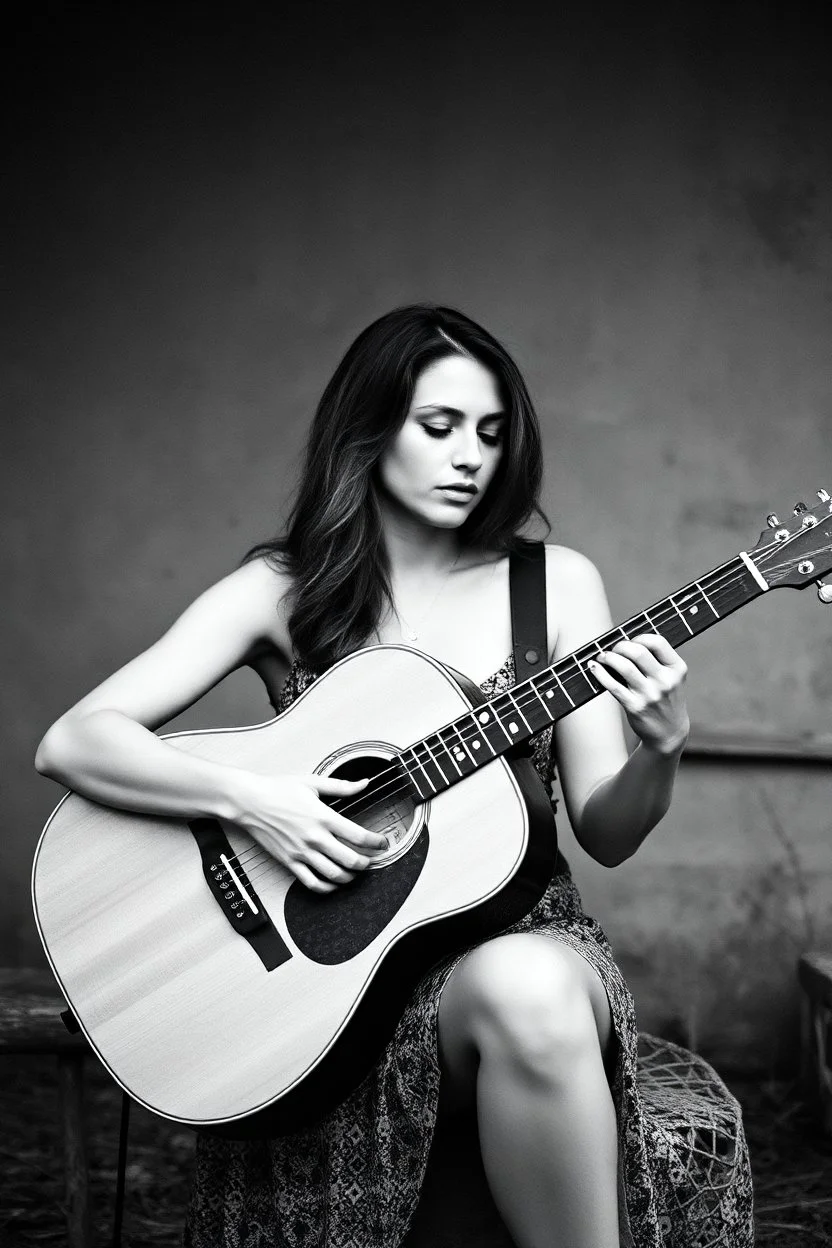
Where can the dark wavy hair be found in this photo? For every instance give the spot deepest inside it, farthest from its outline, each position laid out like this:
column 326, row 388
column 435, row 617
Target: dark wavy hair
column 333, row 545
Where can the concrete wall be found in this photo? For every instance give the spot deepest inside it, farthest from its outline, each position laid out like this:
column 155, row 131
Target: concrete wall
column 198, row 221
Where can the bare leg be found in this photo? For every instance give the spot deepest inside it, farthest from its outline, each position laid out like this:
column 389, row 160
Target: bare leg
column 523, row 1022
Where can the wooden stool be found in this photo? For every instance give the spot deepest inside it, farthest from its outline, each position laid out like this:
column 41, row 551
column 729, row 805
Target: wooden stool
column 814, row 973
column 30, row 1022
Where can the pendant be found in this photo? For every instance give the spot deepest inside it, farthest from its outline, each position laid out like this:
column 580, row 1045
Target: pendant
column 409, row 635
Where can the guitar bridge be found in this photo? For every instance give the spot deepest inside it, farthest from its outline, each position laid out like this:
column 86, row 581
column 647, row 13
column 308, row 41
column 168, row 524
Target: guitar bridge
column 233, row 892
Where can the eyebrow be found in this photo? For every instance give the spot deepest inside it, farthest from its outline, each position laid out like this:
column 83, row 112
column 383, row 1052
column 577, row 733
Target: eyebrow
column 454, row 411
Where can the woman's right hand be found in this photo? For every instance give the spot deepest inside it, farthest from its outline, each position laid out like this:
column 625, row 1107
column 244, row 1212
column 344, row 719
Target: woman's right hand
column 285, row 815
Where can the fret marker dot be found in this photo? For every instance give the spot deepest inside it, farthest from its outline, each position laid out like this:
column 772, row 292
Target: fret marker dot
column 549, row 693
column 693, row 610
column 513, row 727
column 459, row 752
column 476, row 745
column 484, row 718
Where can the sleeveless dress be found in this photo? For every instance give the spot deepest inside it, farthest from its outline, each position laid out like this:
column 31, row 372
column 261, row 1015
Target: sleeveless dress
column 353, row 1181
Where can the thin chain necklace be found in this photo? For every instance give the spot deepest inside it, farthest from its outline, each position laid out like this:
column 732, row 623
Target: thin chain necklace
column 408, row 632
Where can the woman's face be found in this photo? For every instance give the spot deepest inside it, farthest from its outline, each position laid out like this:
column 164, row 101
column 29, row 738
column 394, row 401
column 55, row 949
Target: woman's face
column 452, row 436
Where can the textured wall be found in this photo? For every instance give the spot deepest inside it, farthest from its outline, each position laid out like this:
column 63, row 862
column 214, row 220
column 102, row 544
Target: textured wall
column 199, row 220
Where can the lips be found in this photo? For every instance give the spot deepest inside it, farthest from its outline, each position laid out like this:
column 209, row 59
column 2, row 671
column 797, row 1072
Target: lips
column 457, row 488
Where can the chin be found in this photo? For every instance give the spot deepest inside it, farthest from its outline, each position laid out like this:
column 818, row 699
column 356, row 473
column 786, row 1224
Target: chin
column 442, row 520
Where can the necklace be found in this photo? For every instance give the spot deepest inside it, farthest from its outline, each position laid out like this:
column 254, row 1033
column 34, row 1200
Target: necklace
column 408, row 632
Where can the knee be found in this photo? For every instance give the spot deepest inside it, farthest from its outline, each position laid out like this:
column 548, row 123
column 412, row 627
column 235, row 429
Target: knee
column 533, row 1011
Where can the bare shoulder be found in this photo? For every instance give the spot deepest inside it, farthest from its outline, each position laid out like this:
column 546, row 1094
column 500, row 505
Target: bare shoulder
column 570, row 574
column 568, row 569
column 577, row 607
column 257, row 593
column 239, row 616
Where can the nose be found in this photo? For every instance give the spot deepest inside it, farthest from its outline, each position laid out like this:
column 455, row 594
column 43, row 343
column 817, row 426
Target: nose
column 467, row 450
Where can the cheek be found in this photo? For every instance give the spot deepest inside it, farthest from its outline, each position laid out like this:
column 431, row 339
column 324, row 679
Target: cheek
column 409, row 457
column 491, row 466
column 399, row 466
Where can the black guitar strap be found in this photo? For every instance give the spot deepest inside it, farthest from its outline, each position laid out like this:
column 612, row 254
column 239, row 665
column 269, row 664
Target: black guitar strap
column 527, row 586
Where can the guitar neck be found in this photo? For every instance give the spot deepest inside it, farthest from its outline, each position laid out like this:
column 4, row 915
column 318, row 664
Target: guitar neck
column 511, row 718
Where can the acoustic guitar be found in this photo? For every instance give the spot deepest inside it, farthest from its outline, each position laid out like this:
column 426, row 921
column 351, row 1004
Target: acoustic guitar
column 221, row 993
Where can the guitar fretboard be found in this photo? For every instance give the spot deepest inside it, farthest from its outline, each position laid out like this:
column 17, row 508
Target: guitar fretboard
column 511, row 718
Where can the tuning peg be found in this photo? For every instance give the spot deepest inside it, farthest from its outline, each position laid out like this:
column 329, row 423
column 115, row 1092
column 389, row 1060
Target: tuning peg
column 825, row 592
column 772, row 521
column 799, row 509
column 824, row 496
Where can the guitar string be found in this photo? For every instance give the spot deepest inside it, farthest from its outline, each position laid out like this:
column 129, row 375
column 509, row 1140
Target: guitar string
column 395, row 787
column 529, row 697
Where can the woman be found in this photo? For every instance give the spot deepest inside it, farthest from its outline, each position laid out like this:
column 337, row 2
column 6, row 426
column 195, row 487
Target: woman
column 423, row 465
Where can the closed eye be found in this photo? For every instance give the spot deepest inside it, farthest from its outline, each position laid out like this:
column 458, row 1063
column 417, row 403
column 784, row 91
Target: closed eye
column 490, row 439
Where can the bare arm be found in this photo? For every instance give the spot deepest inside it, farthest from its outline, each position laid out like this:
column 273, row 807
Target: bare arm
column 614, row 800
column 105, row 746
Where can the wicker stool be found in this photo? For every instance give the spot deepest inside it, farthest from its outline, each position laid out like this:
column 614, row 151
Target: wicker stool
column 695, row 1143
column 698, row 1147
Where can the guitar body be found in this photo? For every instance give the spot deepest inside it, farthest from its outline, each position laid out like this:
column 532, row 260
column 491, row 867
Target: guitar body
column 261, row 1036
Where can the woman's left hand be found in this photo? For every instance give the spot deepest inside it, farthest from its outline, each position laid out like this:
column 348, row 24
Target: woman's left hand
column 647, row 677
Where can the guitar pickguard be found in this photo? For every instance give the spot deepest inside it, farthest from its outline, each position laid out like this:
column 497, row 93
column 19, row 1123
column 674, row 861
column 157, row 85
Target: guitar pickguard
column 330, row 928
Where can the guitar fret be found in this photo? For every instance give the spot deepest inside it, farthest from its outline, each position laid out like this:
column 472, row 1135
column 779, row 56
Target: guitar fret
column 707, row 599
column 519, row 712
column 435, row 760
column 483, row 719
column 563, row 687
column 540, row 699
column 583, row 673
column 426, row 763
column 679, row 613
column 412, row 751
column 633, row 626
column 458, row 752
column 475, row 739
column 453, row 759
column 499, row 718
column 689, row 603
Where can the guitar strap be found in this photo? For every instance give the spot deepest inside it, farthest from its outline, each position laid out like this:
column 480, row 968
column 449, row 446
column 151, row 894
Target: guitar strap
column 527, row 588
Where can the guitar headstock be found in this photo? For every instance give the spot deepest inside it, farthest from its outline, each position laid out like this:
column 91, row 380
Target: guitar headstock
column 798, row 553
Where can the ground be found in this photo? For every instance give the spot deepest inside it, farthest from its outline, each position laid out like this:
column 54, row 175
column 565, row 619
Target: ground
column 792, row 1165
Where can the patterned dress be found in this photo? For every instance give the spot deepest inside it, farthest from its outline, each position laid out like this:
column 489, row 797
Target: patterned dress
column 353, row 1181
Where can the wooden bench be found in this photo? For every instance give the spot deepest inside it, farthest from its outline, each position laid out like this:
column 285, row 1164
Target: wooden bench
column 30, row 1022
column 814, row 973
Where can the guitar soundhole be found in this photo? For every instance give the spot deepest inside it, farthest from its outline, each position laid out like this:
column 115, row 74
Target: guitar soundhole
column 331, row 928
column 387, row 806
